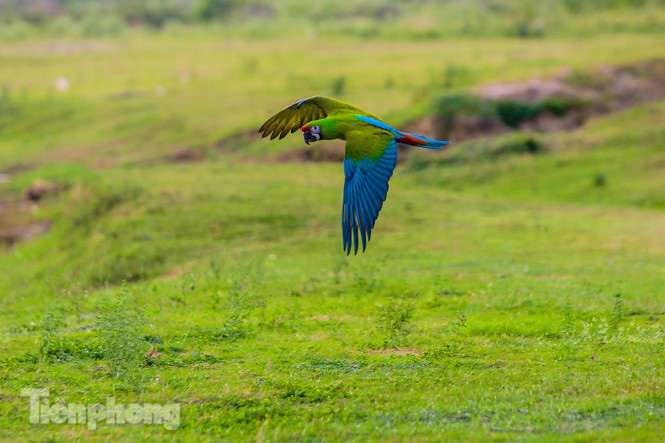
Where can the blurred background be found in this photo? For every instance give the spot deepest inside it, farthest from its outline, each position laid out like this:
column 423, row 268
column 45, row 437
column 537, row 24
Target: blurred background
column 88, row 86
column 128, row 129
column 129, row 158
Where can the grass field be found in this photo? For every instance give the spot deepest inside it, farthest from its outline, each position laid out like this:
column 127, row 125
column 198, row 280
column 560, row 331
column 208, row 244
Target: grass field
column 503, row 298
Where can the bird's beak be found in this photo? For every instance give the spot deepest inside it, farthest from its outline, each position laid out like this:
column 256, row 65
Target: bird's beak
column 309, row 137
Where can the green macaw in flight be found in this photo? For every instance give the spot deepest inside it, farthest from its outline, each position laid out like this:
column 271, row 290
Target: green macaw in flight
column 369, row 160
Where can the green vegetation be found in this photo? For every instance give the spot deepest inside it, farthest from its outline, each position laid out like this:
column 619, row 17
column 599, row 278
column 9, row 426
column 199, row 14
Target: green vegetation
column 513, row 287
column 394, row 19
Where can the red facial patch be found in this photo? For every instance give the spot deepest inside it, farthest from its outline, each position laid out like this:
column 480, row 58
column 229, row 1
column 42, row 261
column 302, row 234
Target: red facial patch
column 304, row 128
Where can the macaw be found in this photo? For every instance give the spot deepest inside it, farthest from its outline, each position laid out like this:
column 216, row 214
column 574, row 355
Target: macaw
column 369, row 160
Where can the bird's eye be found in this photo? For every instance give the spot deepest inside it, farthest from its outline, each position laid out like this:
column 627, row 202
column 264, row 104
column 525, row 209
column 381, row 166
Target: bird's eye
column 316, row 129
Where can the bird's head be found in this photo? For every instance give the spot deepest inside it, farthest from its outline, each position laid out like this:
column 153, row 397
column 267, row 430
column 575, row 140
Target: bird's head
column 311, row 132
column 322, row 129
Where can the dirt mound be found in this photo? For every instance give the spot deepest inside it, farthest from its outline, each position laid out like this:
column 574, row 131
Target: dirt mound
column 40, row 188
column 26, row 232
column 610, row 87
column 534, row 91
column 562, row 103
column 187, row 156
column 630, row 85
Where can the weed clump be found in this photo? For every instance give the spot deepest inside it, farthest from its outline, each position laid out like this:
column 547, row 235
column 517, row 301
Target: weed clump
column 243, row 299
column 122, row 341
column 394, row 321
column 52, row 344
column 599, row 180
column 617, row 311
column 459, row 325
column 57, row 345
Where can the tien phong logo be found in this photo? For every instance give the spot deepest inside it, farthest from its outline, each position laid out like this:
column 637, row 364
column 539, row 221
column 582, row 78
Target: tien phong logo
column 42, row 411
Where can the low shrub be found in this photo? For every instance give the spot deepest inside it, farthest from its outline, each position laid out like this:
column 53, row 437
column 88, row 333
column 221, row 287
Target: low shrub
column 123, row 346
column 449, row 107
column 513, row 113
column 518, row 144
column 394, row 320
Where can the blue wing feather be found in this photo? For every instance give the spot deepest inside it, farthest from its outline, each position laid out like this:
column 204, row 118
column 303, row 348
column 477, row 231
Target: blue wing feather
column 365, row 189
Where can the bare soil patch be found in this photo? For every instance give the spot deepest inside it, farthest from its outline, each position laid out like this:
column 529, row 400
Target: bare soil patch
column 40, row 188
column 12, row 235
column 396, row 352
column 17, row 220
column 187, row 156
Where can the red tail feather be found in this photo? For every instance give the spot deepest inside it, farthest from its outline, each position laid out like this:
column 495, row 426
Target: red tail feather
column 409, row 139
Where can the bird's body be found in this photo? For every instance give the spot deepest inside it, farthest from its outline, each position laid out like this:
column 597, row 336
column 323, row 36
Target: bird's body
column 369, row 160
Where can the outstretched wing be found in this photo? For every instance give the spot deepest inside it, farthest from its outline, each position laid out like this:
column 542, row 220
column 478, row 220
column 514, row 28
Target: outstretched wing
column 368, row 165
column 291, row 118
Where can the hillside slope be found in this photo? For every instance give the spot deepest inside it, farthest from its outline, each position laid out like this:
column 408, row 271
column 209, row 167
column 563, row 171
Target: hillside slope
column 513, row 296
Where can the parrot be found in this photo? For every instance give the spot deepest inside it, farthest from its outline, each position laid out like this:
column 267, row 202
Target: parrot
column 369, row 159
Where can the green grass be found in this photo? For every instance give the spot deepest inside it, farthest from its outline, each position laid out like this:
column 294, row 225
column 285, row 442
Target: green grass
column 507, row 293
column 542, row 349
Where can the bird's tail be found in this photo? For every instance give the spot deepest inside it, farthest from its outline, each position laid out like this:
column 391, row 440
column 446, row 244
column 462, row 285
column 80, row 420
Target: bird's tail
column 420, row 141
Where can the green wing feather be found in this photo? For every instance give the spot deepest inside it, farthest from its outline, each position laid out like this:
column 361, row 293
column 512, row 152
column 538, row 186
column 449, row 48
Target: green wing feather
column 366, row 142
column 291, row 118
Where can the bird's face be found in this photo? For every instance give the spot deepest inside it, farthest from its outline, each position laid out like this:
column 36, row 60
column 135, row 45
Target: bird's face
column 311, row 134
